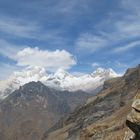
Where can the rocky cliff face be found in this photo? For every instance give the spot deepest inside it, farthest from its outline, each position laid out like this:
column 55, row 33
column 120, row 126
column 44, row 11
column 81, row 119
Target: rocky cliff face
column 103, row 117
column 133, row 120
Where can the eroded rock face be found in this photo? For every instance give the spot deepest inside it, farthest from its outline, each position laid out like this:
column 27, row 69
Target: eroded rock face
column 133, row 120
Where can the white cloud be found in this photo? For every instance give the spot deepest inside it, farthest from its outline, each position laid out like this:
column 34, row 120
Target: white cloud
column 9, row 50
column 51, row 60
column 131, row 5
column 120, row 64
column 78, row 74
column 113, row 30
column 18, row 27
column 6, row 70
column 21, row 28
column 127, row 47
column 26, row 56
column 90, row 42
column 95, row 64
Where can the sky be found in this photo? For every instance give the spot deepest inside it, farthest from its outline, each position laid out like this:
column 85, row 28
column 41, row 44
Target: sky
column 76, row 35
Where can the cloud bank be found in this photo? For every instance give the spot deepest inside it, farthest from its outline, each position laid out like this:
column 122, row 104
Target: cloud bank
column 51, row 60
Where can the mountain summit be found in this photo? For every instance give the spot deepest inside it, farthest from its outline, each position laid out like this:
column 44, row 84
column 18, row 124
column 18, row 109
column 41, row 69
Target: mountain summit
column 61, row 80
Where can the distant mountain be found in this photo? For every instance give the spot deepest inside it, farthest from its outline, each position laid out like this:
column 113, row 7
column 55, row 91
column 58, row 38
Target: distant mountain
column 88, row 82
column 18, row 79
column 29, row 111
column 61, row 80
column 103, row 117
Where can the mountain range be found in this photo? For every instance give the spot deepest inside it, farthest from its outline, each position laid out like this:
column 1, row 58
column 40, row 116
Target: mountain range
column 35, row 105
column 60, row 80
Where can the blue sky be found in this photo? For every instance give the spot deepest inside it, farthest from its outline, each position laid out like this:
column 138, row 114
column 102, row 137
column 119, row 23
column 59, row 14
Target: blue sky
column 76, row 35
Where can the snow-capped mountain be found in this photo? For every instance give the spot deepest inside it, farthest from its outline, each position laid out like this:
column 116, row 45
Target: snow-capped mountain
column 61, row 80
column 20, row 78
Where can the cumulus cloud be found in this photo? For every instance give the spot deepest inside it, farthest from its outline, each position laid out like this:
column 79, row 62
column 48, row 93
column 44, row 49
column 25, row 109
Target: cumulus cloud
column 51, row 60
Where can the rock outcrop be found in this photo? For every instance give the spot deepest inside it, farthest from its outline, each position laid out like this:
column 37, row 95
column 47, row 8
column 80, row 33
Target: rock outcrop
column 133, row 120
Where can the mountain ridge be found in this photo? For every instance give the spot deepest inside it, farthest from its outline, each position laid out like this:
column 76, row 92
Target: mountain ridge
column 103, row 116
column 61, row 80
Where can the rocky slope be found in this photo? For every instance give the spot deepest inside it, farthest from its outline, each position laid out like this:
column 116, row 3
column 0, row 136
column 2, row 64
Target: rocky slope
column 26, row 113
column 103, row 117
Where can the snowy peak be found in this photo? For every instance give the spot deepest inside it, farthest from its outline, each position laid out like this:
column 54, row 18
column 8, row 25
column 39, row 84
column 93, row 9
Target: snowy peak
column 62, row 74
column 61, row 80
column 104, row 72
column 30, row 74
column 20, row 78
